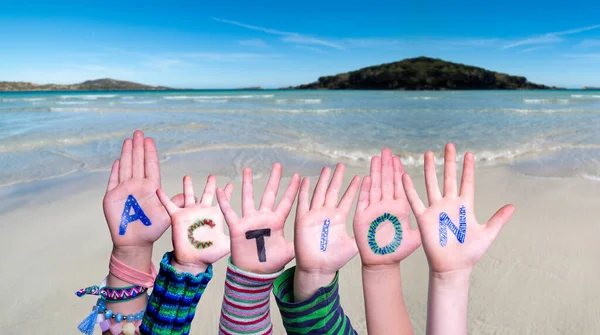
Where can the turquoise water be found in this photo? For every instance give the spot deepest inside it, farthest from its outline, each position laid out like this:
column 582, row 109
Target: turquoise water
column 544, row 133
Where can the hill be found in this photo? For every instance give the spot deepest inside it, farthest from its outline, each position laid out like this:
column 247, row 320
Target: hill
column 105, row 84
column 422, row 73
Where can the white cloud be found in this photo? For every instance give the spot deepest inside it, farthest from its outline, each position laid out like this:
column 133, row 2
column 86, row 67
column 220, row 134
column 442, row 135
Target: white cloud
column 589, row 43
column 537, row 48
column 548, row 38
column 258, row 43
column 317, row 50
column 290, row 37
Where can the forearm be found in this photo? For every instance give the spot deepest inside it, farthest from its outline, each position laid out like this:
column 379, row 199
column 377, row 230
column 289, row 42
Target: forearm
column 173, row 302
column 306, row 283
column 321, row 313
column 246, row 302
column 385, row 308
column 447, row 303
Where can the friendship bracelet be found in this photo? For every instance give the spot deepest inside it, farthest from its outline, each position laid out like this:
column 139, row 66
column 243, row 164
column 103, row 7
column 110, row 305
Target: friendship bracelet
column 131, row 275
column 114, row 294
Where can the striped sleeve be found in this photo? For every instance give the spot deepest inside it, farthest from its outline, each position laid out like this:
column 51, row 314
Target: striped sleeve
column 320, row 314
column 172, row 305
column 246, row 308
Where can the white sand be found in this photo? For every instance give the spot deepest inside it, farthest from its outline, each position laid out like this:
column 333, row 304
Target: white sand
column 540, row 277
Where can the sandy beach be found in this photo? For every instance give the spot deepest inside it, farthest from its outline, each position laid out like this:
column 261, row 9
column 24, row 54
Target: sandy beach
column 539, row 277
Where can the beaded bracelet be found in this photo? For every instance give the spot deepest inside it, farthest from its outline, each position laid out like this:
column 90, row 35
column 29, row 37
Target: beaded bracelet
column 114, row 294
column 127, row 329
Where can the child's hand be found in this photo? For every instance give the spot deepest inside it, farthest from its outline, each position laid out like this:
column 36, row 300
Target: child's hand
column 452, row 238
column 382, row 220
column 197, row 228
column 321, row 241
column 135, row 217
column 258, row 244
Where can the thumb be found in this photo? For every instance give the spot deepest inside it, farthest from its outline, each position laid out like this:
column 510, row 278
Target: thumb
column 497, row 221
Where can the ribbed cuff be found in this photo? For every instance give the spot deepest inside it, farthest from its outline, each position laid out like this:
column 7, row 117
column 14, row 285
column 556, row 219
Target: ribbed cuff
column 246, row 305
column 320, row 314
column 173, row 301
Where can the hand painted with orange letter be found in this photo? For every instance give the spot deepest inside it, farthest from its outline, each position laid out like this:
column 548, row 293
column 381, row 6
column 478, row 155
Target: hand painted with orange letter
column 198, row 228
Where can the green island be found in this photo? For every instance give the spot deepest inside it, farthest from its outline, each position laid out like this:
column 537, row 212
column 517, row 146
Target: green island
column 105, row 84
column 422, row 73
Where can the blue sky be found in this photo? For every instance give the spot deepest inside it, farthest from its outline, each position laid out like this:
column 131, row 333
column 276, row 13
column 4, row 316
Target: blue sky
column 226, row 44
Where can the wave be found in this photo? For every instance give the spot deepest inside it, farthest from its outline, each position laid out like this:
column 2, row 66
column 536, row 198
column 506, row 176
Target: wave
column 9, row 100
column 546, row 101
column 73, row 110
column 220, row 101
column 34, row 99
column 141, row 102
column 585, row 96
column 593, row 177
column 127, row 98
column 422, row 98
column 88, row 96
column 209, row 97
column 295, row 111
column 71, row 102
column 298, row 101
column 547, row 111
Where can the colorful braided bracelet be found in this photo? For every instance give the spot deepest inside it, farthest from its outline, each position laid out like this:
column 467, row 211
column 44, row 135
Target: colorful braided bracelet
column 114, row 294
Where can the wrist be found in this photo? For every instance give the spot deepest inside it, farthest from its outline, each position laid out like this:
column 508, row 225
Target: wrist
column 380, row 268
column 193, row 268
column 308, row 282
column 450, row 279
column 137, row 257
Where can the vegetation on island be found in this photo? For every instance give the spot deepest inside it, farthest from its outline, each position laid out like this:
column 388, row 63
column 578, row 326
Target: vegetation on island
column 105, row 84
column 422, row 73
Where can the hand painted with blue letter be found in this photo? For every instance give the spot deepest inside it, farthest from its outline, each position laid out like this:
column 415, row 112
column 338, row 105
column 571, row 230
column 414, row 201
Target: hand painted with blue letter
column 321, row 241
column 135, row 216
column 258, row 244
column 452, row 238
column 197, row 229
column 382, row 220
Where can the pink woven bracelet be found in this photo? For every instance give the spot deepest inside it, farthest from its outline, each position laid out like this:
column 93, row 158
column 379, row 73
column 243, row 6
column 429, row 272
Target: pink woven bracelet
column 131, row 275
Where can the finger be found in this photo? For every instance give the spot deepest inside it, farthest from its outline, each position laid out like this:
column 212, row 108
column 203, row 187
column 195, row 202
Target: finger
column 431, row 182
column 285, row 204
column 467, row 183
column 179, row 200
column 387, row 175
column 398, row 172
column 450, row 171
column 348, row 197
column 125, row 161
column 113, row 179
column 333, row 191
column 138, row 155
column 247, row 192
column 302, row 206
column 363, row 195
column 151, row 164
column 228, row 191
column 375, row 195
column 166, row 202
column 188, row 192
column 411, row 194
column 230, row 217
column 318, row 199
column 497, row 221
column 268, row 199
column 209, row 191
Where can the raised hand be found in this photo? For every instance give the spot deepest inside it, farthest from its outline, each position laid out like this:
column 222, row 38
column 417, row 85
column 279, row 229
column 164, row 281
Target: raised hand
column 258, row 243
column 321, row 241
column 197, row 228
column 134, row 215
column 452, row 238
column 382, row 220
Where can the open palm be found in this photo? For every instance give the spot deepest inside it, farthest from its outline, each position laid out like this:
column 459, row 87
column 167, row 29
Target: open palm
column 258, row 243
column 197, row 228
column 381, row 193
column 450, row 246
column 136, row 174
column 321, row 241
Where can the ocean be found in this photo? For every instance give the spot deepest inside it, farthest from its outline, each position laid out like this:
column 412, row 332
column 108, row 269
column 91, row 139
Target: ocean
column 554, row 134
